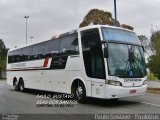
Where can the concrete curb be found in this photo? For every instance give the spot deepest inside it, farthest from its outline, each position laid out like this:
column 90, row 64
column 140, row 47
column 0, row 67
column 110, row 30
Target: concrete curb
column 153, row 90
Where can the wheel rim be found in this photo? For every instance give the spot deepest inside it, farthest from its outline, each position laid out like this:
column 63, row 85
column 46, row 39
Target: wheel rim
column 21, row 87
column 79, row 92
column 16, row 85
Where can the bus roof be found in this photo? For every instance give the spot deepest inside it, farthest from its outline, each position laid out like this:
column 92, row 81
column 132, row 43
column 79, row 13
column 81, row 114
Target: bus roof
column 71, row 32
column 107, row 26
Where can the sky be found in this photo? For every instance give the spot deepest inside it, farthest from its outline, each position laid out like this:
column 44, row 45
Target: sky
column 51, row 17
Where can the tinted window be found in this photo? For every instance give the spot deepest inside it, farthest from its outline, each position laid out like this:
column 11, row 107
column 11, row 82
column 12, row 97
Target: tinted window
column 126, row 61
column 27, row 53
column 11, row 57
column 92, row 54
column 69, row 45
column 18, row 55
column 38, row 51
column 52, row 48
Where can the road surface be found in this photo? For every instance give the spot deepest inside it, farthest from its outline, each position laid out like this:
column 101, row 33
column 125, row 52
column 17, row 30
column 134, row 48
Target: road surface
column 15, row 102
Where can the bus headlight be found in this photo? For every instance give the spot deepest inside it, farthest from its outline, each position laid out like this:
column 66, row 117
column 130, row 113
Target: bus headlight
column 145, row 82
column 115, row 83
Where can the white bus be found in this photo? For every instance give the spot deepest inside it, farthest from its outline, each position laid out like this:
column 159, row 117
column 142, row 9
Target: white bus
column 95, row 61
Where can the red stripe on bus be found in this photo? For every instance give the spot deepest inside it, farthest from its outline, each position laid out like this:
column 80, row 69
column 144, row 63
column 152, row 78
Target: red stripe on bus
column 45, row 62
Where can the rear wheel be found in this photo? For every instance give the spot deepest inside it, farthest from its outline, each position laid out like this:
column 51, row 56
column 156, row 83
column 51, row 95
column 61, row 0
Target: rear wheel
column 15, row 84
column 21, row 86
column 80, row 92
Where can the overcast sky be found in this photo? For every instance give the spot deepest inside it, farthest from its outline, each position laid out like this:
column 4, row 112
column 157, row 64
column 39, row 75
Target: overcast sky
column 50, row 17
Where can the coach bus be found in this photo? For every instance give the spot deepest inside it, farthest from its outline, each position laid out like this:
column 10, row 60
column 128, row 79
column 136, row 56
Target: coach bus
column 95, row 61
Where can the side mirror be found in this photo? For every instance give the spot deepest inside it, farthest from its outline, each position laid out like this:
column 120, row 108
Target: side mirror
column 106, row 52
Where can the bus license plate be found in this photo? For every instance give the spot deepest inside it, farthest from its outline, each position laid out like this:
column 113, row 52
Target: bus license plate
column 132, row 91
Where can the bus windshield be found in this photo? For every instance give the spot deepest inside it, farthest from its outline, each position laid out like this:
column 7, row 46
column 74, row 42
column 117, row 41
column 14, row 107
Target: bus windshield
column 126, row 60
column 126, row 57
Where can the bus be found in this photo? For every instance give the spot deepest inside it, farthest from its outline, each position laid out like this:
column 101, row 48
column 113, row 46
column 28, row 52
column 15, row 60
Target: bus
column 96, row 61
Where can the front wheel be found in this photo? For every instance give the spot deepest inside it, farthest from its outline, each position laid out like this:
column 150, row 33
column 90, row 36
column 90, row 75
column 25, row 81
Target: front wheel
column 80, row 93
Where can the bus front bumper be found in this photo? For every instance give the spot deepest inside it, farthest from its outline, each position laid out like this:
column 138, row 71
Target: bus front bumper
column 119, row 91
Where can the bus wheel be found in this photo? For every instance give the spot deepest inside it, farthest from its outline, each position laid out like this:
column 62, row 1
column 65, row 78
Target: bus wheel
column 80, row 92
column 21, row 86
column 15, row 84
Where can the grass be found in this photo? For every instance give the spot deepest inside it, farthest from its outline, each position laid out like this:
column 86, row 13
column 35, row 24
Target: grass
column 2, row 79
column 152, row 76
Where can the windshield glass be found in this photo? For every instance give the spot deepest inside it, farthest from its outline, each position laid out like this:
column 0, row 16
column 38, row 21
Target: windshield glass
column 112, row 34
column 126, row 60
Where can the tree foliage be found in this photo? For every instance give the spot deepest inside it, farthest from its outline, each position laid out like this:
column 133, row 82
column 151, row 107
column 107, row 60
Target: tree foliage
column 96, row 16
column 3, row 56
column 146, row 43
column 154, row 61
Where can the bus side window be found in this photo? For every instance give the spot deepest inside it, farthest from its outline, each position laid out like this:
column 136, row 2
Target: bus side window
column 52, row 48
column 11, row 57
column 27, row 53
column 38, row 51
column 18, row 55
column 69, row 45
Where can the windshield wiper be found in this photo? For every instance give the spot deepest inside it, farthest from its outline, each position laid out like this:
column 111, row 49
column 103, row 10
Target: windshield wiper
column 138, row 68
column 131, row 62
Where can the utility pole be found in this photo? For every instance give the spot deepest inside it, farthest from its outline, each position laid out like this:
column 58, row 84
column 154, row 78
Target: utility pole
column 115, row 13
column 26, row 17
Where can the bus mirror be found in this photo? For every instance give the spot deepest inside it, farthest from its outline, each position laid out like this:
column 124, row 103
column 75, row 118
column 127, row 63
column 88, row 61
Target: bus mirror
column 106, row 52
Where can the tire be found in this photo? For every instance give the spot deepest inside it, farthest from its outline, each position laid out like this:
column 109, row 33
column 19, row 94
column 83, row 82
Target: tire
column 15, row 84
column 80, row 92
column 21, row 86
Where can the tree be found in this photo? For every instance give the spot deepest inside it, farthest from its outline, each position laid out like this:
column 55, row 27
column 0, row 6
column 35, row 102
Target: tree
column 154, row 60
column 96, row 16
column 146, row 43
column 3, row 56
